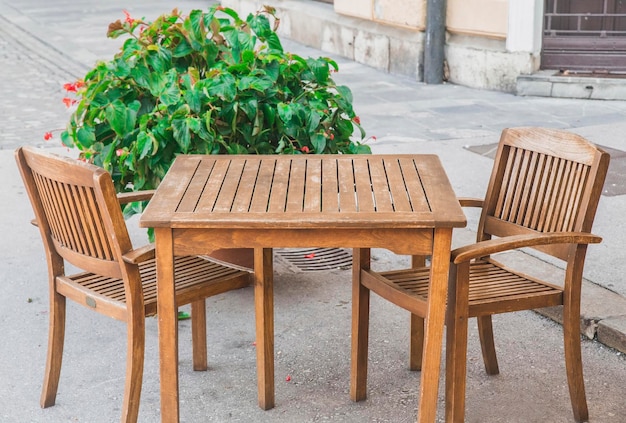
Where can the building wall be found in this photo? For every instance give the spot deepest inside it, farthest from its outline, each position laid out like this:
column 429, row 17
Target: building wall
column 484, row 48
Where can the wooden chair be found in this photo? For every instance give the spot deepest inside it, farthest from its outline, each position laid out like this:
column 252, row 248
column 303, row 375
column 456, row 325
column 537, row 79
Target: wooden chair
column 81, row 223
column 543, row 194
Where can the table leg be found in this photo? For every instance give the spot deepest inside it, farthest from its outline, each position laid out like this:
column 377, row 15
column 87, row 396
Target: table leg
column 435, row 320
column 264, row 310
column 416, row 339
column 168, row 325
column 360, row 325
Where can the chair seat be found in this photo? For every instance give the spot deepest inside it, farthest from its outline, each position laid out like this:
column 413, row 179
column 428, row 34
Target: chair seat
column 191, row 276
column 493, row 288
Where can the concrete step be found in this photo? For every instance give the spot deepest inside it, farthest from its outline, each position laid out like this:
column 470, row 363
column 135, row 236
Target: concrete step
column 552, row 83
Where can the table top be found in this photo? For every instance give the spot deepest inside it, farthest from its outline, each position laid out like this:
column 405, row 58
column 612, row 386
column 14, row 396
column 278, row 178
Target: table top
column 304, row 191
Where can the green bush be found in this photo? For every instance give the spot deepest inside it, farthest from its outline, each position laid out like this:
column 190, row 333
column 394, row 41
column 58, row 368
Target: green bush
column 206, row 83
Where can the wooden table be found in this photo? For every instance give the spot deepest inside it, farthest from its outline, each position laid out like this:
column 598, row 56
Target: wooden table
column 403, row 203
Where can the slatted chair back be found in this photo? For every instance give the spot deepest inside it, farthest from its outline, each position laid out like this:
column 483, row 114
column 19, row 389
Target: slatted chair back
column 544, row 180
column 77, row 212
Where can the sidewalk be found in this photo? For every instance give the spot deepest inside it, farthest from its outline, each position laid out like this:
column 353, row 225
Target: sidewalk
column 47, row 43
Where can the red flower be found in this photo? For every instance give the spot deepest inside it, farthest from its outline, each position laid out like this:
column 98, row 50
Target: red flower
column 288, row 378
column 69, row 102
column 47, row 136
column 357, row 120
column 70, row 87
column 331, row 137
column 305, row 150
column 129, row 19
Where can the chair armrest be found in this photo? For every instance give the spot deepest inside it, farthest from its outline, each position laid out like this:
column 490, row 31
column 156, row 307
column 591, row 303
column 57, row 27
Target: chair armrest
column 131, row 197
column 471, row 202
column 139, row 255
column 492, row 246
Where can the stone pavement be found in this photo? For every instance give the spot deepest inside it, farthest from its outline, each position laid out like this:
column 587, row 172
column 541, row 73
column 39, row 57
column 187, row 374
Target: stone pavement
column 45, row 43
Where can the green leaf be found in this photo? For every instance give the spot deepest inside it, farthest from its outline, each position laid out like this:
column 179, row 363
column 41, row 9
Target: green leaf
column 144, row 144
column 285, row 112
column 159, row 59
column 274, row 42
column 182, row 49
column 86, row 136
column 121, row 118
column 67, row 139
column 224, row 87
column 260, row 84
column 250, row 108
column 170, row 95
column 182, row 135
column 194, row 24
column 319, row 143
column 320, row 69
column 260, row 25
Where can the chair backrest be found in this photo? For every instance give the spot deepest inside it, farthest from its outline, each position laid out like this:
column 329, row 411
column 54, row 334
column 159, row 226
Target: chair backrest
column 543, row 180
column 76, row 210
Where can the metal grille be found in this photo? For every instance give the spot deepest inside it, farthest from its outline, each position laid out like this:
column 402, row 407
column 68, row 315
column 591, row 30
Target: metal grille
column 315, row 259
column 585, row 35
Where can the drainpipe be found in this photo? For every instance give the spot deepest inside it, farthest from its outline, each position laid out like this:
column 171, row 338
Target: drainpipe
column 435, row 41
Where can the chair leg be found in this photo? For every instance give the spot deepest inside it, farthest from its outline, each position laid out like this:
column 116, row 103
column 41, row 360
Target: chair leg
column 56, row 338
column 573, row 363
column 416, row 350
column 456, row 342
column 360, row 326
column 134, row 367
column 485, row 332
column 198, row 335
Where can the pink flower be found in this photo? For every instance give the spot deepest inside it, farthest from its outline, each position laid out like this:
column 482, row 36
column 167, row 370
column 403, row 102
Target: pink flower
column 129, row 19
column 47, row 136
column 357, row 120
column 305, row 150
column 119, row 152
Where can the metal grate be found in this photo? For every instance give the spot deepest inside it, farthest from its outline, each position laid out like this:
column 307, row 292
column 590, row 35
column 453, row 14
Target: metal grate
column 584, row 35
column 315, row 259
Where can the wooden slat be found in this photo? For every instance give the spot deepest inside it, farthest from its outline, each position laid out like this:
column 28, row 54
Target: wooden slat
column 380, row 186
column 243, row 198
column 295, row 192
column 280, row 185
column 102, row 244
column 313, row 186
column 363, row 182
column 229, row 188
column 330, row 185
column 397, row 185
column 261, row 189
column 212, row 188
column 347, row 195
column 535, row 186
column 195, row 188
column 414, row 186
